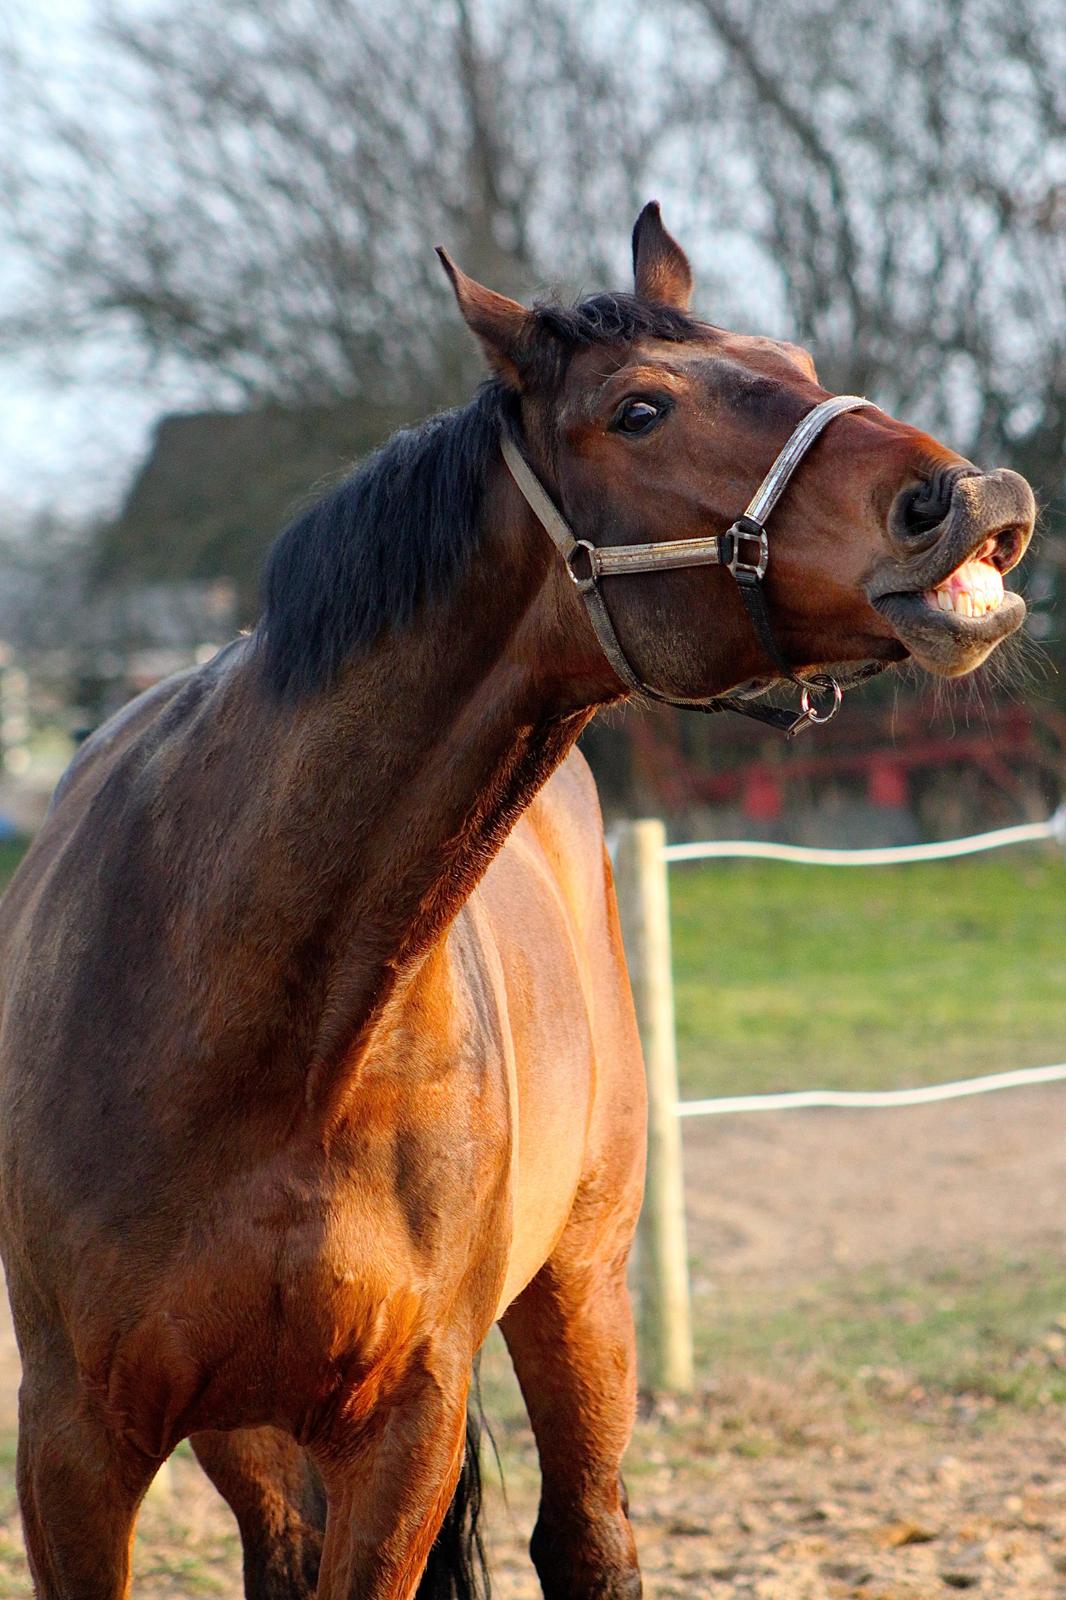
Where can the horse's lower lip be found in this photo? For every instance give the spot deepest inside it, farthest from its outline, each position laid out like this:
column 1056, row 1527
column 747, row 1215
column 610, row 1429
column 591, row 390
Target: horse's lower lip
column 945, row 641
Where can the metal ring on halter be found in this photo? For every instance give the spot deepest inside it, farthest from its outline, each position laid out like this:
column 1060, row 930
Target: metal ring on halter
column 575, row 577
column 821, row 682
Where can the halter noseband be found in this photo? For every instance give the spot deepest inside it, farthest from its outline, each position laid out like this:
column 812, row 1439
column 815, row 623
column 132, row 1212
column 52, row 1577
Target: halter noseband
column 744, row 549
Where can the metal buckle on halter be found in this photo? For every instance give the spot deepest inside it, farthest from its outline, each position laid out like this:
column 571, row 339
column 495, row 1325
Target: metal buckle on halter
column 582, row 581
column 746, row 549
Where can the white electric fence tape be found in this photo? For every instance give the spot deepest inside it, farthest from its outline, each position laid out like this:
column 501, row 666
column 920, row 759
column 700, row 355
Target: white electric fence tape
column 889, row 856
column 872, row 1099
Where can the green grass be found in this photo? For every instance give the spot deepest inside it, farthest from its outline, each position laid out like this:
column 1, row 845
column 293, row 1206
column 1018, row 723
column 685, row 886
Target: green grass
column 990, row 1331
column 793, row 977
column 11, row 853
column 995, row 1330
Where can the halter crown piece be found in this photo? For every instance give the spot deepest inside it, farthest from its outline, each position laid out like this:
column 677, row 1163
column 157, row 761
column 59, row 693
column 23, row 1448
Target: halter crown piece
column 744, row 549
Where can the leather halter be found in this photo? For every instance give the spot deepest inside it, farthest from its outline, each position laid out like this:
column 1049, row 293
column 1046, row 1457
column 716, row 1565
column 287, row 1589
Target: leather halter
column 744, row 549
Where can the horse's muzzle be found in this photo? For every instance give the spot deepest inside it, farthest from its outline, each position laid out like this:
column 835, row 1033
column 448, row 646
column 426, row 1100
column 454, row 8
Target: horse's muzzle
column 942, row 591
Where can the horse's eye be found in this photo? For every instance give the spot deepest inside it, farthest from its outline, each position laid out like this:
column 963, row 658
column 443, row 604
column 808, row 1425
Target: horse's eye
column 636, row 416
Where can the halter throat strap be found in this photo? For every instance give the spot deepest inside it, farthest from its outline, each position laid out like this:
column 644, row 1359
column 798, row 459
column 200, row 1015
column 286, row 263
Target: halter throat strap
column 744, row 549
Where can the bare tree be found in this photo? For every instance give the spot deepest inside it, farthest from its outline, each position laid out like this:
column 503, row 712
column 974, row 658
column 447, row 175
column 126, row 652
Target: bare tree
column 906, row 183
column 255, row 192
column 247, row 193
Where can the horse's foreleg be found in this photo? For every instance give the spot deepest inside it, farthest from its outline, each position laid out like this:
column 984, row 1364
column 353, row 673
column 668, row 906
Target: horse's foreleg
column 389, row 1482
column 570, row 1334
column 276, row 1495
column 79, row 1487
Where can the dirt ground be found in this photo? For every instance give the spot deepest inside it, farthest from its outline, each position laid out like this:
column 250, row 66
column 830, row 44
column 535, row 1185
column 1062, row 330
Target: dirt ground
column 801, row 1193
column 769, row 1487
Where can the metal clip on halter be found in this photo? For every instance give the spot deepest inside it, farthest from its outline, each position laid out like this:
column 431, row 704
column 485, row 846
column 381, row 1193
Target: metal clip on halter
column 744, row 549
column 737, row 552
column 586, row 581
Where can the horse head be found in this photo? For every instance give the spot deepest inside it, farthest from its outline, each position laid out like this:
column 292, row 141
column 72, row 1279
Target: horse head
column 646, row 427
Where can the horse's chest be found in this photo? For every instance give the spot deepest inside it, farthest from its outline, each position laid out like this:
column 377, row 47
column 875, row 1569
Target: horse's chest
column 303, row 1292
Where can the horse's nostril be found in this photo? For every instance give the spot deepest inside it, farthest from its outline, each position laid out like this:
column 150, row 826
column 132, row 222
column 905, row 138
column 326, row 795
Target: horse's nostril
column 924, row 507
column 1006, row 548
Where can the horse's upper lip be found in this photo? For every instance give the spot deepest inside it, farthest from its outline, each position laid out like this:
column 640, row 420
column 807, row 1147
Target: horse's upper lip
column 1002, row 549
column 987, row 526
column 991, row 514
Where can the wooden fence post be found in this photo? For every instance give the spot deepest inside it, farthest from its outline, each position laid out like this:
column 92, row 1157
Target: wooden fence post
column 643, row 897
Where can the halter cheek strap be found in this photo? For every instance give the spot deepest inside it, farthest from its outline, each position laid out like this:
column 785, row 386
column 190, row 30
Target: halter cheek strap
column 744, row 549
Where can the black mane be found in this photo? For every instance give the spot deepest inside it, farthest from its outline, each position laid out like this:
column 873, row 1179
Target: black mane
column 362, row 559
column 399, row 531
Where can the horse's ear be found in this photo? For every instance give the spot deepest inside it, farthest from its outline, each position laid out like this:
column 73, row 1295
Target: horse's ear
column 660, row 266
column 501, row 325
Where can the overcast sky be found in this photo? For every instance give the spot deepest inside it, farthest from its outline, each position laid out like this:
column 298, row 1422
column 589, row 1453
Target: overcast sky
column 70, row 439
column 67, row 442
column 68, row 447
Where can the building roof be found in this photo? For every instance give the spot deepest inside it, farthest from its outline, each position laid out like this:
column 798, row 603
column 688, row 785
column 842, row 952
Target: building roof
column 216, row 487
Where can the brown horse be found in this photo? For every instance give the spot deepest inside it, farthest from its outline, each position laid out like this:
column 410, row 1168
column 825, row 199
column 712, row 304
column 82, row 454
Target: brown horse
column 316, row 1053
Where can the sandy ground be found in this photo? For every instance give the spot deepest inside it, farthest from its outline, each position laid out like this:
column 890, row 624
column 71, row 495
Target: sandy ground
column 769, row 1491
column 803, row 1193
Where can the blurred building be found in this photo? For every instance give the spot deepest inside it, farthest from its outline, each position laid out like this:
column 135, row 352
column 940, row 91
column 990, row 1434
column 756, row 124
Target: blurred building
column 217, row 486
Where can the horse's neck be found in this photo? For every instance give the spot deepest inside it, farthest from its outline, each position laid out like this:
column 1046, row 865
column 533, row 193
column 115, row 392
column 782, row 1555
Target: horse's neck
column 382, row 802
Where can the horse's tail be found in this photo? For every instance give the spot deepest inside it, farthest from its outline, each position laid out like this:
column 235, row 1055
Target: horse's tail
column 457, row 1568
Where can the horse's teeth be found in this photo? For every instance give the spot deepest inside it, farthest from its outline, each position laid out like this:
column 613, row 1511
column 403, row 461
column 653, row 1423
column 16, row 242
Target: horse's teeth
column 972, row 590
